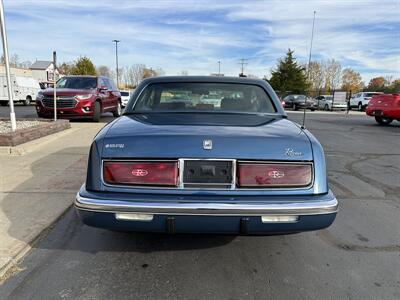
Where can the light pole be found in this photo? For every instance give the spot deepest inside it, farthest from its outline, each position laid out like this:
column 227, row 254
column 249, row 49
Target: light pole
column 116, row 59
column 7, row 63
column 219, row 68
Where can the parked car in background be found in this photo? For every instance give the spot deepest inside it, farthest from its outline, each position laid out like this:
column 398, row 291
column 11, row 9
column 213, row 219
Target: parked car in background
column 361, row 100
column 214, row 100
column 297, row 102
column 332, row 102
column 80, row 97
column 24, row 89
column 238, row 167
column 385, row 108
column 125, row 95
column 323, row 100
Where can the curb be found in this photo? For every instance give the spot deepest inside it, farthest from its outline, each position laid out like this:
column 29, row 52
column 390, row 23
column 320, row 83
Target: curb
column 32, row 145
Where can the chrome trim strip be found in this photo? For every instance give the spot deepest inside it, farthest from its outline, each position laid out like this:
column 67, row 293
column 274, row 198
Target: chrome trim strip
column 203, row 208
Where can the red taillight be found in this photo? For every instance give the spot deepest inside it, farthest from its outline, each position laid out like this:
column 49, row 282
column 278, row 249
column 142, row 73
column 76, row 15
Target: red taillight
column 141, row 173
column 255, row 175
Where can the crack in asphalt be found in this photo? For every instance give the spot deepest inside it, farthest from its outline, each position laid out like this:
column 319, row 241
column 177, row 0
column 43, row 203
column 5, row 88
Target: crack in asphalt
column 387, row 189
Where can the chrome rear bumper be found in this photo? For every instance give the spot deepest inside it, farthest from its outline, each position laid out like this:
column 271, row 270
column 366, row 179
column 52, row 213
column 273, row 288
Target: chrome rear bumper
column 311, row 207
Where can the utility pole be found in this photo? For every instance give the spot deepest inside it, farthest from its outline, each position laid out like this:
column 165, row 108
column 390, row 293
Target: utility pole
column 116, row 59
column 7, row 63
column 219, row 68
column 242, row 63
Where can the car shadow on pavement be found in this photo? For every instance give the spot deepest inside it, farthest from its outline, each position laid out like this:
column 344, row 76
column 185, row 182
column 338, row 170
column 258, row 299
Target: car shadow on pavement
column 68, row 232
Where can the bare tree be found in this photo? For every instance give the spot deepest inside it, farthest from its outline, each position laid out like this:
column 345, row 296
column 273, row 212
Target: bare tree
column 103, row 71
column 389, row 79
column 159, row 71
column 315, row 72
column 14, row 60
column 134, row 74
column 332, row 72
column 25, row 64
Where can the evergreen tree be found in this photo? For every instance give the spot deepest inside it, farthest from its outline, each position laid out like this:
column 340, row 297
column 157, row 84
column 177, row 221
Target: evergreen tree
column 83, row 66
column 289, row 75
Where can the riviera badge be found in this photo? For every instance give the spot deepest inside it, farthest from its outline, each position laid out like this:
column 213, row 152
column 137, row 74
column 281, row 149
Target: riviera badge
column 290, row 152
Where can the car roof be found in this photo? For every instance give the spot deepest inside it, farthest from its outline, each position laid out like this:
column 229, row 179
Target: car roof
column 216, row 79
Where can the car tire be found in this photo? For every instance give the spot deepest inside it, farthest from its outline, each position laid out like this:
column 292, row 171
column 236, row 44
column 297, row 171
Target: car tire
column 326, row 107
column 96, row 112
column 118, row 112
column 360, row 107
column 3, row 103
column 383, row 121
column 27, row 101
column 295, row 107
column 312, row 109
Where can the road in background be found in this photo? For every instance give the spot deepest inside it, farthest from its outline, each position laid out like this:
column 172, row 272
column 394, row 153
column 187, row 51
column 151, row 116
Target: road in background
column 358, row 257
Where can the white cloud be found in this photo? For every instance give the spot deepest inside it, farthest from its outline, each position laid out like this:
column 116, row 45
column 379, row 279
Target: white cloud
column 194, row 35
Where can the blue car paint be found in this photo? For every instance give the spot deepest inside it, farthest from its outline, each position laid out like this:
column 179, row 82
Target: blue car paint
column 207, row 224
column 264, row 142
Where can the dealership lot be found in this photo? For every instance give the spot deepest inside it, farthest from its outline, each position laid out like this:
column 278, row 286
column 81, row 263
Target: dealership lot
column 358, row 257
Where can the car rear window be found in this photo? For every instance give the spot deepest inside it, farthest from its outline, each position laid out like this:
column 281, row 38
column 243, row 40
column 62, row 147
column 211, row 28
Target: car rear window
column 209, row 97
column 371, row 94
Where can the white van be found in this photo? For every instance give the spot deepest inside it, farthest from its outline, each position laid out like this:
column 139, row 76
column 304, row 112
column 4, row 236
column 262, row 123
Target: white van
column 25, row 89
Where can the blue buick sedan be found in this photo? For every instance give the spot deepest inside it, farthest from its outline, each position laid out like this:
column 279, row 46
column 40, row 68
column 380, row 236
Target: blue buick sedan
column 178, row 162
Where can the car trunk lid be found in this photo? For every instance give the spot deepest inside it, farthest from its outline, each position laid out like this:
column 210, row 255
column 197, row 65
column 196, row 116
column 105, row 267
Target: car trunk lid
column 133, row 137
column 385, row 101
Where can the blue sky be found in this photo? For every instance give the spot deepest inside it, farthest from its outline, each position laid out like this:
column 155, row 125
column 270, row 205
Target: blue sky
column 194, row 35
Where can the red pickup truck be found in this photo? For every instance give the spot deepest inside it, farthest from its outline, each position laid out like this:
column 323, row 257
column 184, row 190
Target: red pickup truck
column 385, row 108
column 80, row 97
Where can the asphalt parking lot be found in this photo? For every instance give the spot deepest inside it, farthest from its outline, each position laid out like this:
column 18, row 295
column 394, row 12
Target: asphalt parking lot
column 358, row 257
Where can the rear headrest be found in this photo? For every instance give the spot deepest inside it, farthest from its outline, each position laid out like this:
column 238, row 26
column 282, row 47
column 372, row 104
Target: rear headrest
column 171, row 105
column 235, row 104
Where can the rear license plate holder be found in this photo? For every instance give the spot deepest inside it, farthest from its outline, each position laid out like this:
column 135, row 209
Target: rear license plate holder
column 208, row 172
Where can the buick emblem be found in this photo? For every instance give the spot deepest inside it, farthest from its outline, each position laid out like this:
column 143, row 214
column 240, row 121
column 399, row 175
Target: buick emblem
column 276, row 174
column 139, row 172
column 207, row 144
